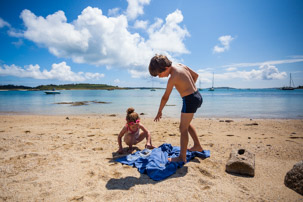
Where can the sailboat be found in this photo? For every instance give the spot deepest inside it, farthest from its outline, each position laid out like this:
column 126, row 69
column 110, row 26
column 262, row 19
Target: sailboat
column 291, row 84
column 152, row 89
column 200, row 89
column 54, row 91
column 212, row 87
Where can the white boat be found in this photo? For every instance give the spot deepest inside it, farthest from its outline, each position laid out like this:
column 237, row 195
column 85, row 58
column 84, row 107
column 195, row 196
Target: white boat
column 212, row 87
column 152, row 89
column 291, row 84
column 52, row 92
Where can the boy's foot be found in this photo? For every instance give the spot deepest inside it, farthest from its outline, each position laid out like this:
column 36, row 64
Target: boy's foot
column 196, row 148
column 176, row 159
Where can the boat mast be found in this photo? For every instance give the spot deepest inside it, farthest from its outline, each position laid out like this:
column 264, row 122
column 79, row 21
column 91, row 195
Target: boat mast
column 213, row 80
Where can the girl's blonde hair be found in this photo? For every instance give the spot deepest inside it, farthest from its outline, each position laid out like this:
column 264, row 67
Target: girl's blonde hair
column 131, row 115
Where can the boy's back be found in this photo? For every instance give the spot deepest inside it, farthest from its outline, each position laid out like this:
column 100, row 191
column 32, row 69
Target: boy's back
column 183, row 78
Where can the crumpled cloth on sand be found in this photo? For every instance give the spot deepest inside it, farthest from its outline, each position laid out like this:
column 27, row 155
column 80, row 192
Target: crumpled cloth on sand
column 155, row 162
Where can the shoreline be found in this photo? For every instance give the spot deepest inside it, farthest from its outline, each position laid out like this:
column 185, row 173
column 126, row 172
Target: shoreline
column 2, row 113
column 46, row 157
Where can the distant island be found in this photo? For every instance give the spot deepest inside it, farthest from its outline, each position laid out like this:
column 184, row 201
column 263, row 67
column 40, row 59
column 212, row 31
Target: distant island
column 80, row 86
column 86, row 86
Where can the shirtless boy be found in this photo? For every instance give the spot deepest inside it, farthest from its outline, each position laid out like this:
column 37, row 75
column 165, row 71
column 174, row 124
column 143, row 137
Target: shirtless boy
column 183, row 79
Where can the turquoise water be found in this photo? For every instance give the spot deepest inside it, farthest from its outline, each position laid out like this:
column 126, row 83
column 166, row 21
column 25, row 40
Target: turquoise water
column 233, row 103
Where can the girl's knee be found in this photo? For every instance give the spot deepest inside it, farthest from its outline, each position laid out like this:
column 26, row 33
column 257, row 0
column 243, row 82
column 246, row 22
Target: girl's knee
column 128, row 140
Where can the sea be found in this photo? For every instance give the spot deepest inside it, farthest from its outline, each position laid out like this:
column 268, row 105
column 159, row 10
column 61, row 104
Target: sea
column 221, row 103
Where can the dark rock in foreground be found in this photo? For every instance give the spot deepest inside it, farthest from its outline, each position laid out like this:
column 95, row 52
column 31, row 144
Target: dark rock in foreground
column 294, row 178
column 242, row 162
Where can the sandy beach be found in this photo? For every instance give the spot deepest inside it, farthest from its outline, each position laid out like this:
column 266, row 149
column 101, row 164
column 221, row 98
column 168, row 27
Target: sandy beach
column 60, row 158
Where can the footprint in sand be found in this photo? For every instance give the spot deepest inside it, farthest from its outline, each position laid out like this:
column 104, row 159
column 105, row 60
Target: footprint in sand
column 206, row 173
column 206, row 184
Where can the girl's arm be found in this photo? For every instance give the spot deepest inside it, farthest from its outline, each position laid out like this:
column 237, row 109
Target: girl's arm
column 121, row 134
column 143, row 128
column 148, row 142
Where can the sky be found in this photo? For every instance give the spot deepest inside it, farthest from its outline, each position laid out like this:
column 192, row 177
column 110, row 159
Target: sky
column 244, row 44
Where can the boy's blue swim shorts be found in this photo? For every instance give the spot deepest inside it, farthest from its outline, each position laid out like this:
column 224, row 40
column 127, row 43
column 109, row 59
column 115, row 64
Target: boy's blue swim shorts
column 192, row 102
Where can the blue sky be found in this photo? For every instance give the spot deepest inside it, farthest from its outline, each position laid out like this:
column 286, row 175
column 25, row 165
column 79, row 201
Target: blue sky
column 247, row 44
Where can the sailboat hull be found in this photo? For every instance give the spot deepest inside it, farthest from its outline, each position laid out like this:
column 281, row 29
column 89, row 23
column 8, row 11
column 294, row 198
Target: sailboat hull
column 288, row 88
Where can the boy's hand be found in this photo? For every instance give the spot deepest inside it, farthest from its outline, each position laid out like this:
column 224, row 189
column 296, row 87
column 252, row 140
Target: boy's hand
column 158, row 117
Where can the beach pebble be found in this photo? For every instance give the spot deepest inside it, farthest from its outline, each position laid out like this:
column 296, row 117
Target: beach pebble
column 294, row 178
column 251, row 124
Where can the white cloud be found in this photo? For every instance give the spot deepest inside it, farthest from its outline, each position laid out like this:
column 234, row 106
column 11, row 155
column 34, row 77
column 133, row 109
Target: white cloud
column 135, row 8
column 231, row 69
column 140, row 24
column 94, row 38
column 273, row 62
column 168, row 37
column 264, row 72
column 113, row 12
column 225, row 42
column 138, row 74
column 59, row 71
column 4, row 23
column 116, row 81
column 18, row 43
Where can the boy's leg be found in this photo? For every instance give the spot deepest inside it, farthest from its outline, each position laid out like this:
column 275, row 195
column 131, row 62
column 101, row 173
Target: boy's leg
column 197, row 146
column 184, row 126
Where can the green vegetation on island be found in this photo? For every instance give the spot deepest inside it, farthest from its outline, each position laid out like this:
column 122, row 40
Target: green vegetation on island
column 80, row 86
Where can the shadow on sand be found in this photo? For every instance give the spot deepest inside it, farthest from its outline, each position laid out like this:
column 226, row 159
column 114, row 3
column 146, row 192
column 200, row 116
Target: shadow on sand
column 130, row 181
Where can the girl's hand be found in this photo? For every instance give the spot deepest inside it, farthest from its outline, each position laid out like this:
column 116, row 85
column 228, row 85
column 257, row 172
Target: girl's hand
column 158, row 117
column 120, row 151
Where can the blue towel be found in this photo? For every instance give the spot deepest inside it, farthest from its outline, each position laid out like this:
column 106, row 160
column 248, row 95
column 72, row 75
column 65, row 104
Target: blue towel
column 155, row 162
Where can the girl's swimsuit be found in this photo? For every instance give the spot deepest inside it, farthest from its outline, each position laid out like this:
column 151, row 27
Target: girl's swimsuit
column 135, row 133
column 192, row 102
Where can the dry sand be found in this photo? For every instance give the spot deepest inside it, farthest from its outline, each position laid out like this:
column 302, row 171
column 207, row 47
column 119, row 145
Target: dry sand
column 52, row 158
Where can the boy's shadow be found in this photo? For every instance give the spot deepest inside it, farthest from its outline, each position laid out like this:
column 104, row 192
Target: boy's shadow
column 130, row 181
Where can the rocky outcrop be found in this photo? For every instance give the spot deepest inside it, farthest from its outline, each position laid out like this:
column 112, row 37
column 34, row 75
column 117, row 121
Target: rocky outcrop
column 294, row 178
column 241, row 161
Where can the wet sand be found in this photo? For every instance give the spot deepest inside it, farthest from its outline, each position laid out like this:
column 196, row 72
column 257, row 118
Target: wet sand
column 55, row 158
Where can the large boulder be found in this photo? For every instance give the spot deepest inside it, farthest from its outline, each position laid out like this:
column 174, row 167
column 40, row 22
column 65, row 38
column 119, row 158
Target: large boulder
column 294, row 178
column 241, row 161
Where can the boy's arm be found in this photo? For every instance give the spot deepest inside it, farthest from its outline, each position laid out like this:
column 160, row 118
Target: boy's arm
column 193, row 74
column 164, row 99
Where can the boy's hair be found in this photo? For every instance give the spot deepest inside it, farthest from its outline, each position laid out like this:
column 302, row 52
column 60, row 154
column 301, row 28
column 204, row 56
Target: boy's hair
column 158, row 64
column 131, row 115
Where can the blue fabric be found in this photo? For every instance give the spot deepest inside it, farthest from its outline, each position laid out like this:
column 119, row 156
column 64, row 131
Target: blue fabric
column 155, row 163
